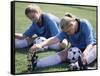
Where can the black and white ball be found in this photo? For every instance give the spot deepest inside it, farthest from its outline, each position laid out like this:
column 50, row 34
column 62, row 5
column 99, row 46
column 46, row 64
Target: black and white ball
column 73, row 54
column 39, row 40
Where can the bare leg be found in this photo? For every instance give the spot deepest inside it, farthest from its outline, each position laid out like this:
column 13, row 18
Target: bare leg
column 60, row 45
column 90, row 56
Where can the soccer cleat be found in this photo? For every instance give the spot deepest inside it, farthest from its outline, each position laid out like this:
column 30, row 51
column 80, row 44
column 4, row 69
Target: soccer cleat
column 81, row 64
column 73, row 66
column 32, row 60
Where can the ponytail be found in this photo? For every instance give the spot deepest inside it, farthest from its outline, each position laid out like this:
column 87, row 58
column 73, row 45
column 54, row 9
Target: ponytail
column 70, row 15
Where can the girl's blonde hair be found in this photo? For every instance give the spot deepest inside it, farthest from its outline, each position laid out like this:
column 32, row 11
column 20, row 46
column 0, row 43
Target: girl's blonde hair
column 32, row 7
column 68, row 17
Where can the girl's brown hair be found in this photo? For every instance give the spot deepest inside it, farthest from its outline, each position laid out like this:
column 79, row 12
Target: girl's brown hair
column 32, row 7
column 68, row 17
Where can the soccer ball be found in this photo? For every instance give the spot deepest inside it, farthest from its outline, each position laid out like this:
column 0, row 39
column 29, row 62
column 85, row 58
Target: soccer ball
column 73, row 54
column 39, row 40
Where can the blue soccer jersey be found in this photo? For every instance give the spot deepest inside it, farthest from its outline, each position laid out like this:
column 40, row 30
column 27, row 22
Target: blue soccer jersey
column 82, row 38
column 50, row 27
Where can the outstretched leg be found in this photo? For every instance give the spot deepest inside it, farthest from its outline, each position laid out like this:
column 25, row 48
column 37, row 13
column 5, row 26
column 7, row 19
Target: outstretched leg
column 51, row 60
column 23, row 41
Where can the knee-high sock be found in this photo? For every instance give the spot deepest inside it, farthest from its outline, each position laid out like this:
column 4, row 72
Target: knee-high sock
column 49, row 61
column 21, row 43
column 54, row 46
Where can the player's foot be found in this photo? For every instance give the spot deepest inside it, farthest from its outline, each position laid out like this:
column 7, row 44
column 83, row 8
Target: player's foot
column 82, row 65
column 73, row 66
column 32, row 59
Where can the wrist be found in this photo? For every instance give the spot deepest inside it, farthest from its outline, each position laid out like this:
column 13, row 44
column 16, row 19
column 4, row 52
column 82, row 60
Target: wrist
column 38, row 45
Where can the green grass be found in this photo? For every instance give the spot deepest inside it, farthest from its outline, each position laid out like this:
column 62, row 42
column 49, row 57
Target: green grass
column 22, row 22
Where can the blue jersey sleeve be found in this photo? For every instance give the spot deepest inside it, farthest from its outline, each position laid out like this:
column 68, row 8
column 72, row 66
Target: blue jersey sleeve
column 29, row 32
column 88, row 32
column 53, row 28
column 53, row 23
column 61, row 36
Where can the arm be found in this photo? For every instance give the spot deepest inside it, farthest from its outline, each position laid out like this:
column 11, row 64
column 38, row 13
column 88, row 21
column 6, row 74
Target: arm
column 28, row 34
column 58, row 38
column 89, row 37
column 54, row 29
column 53, row 24
column 49, row 41
column 30, row 31
column 19, row 36
column 88, row 33
column 52, row 40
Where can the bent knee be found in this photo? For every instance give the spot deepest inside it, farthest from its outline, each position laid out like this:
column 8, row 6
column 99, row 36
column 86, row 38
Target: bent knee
column 63, row 55
column 94, row 48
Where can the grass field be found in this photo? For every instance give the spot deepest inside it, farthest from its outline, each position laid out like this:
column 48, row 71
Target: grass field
column 22, row 22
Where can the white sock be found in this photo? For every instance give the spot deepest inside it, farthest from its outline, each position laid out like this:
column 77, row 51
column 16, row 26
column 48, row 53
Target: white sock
column 91, row 56
column 49, row 61
column 54, row 46
column 21, row 43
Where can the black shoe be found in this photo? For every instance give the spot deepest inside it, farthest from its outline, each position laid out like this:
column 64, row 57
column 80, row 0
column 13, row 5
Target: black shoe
column 32, row 60
column 81, row 65
column 73, row 67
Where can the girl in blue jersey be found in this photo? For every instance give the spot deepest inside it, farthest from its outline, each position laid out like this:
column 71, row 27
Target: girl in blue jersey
column 43, row 24
column 79, row 33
